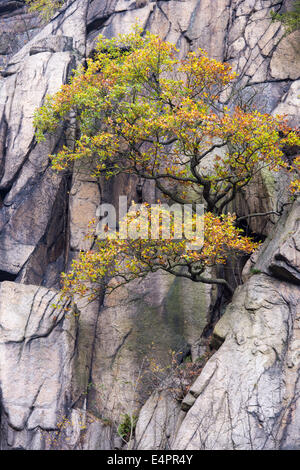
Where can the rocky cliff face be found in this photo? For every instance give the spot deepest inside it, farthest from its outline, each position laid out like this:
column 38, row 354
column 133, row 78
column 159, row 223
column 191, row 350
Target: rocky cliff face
column 67, row 375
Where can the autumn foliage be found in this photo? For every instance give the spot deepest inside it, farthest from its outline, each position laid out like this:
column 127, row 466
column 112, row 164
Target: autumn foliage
column 130, row 258
column 46, row 8
column 142, row 110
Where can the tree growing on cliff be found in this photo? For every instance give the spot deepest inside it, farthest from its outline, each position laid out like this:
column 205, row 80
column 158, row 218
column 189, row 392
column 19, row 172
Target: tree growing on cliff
column 142, row 110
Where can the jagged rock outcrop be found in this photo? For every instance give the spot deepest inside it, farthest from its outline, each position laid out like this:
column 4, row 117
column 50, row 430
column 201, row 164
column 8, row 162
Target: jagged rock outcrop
column 247, row 396
column 37, row 348
column 17, row 27
column 66, row 378
column 136, row 329
column 32, row 195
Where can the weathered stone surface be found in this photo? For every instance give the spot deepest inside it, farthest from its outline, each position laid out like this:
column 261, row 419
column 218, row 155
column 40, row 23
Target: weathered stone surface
column 281, row 257
column 99, row 11
column 270, row 38
column 37, row 344
column 285, row 62
column 255, row 30
column 245, row 7
column 248, row 392
column 237, row 46
column 52, row 44
column 122, row 21
column 251, row 382
column 233, row 410
column 139, row 325
column 21, row 94
column 267, row 193
column 84, row 200
column 28, row 224
column 208, row 27
column 17, row 27
column 290, row 104
column 31, row 190
column 156, row 426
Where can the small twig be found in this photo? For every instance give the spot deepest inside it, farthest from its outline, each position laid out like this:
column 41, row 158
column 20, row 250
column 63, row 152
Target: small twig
column 258, row 214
